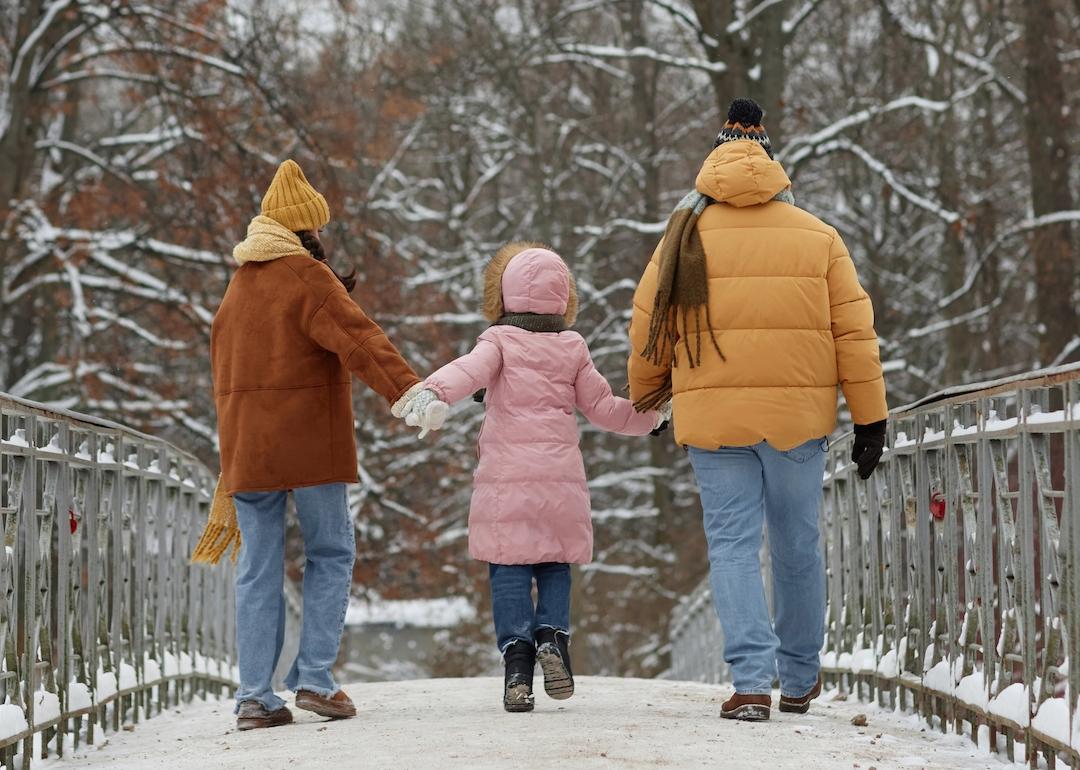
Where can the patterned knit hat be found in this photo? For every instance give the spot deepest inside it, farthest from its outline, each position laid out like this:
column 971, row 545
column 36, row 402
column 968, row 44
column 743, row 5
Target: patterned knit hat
column 744, row 122
column 293, row 202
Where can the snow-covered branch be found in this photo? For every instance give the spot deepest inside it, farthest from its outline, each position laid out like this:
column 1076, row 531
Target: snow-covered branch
column 602, row 52
column 888, row 175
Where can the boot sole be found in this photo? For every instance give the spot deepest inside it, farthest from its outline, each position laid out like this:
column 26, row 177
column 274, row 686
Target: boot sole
column 748, row 713
column 243, row 725
column 794, row 708
column 558, row 683
column 518, row 699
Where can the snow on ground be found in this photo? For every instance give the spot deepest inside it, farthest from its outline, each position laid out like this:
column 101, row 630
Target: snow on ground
column 609, row 723
column 442, row 612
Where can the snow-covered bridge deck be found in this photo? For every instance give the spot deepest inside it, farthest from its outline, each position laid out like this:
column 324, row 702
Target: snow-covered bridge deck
column 610, row 723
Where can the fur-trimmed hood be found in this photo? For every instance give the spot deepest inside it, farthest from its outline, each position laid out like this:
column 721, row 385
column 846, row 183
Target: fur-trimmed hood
column 526, row 277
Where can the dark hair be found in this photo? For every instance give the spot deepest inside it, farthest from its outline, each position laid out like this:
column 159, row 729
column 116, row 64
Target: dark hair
column 315, row 248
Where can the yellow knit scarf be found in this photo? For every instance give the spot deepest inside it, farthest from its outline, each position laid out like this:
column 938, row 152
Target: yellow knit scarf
column 221, row 530
column 266, row 240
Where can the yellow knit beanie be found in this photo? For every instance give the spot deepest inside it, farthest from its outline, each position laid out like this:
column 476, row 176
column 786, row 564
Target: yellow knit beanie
column 293, row 202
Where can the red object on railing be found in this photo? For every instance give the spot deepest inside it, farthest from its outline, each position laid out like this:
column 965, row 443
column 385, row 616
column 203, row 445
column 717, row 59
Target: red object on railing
column 72, row 521
column 937, row 506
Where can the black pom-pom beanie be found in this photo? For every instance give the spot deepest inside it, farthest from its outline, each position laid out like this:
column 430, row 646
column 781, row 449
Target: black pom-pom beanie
column 744, row 122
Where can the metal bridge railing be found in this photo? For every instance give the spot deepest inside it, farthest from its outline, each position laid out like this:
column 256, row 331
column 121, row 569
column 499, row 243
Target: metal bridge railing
column 954, row 572
column 102, row 619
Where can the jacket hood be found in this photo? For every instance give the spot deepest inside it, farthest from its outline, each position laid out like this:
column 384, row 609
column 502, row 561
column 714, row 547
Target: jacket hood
column 741, row 173
column 536, row 281
column 267, row 240
column 529, row 278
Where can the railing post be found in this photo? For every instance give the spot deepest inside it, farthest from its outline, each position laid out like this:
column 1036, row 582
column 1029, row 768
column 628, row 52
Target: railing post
column 28, row 601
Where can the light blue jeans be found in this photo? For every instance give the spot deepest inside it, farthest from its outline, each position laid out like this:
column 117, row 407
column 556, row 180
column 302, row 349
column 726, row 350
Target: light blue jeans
column 741, row 489
column 330, row 551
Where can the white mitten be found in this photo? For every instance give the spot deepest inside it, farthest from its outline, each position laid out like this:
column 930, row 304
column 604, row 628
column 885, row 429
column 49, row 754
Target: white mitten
column 425, row 411
column 434, row 416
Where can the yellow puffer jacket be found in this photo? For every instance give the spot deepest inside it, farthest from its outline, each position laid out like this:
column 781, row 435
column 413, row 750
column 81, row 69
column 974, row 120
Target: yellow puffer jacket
column 789, row 314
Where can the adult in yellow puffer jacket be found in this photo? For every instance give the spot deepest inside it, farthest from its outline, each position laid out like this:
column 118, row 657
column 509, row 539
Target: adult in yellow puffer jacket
column 748, row 317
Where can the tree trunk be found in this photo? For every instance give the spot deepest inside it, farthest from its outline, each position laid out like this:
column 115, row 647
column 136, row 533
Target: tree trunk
column 16, row 143
column 754, row 56
column 958, row 337
column 1049, row 161
column 644, row 106
column 770, row 65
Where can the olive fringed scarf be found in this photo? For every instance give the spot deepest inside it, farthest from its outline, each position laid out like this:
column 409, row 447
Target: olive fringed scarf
column 221, row 531
column 681, row 284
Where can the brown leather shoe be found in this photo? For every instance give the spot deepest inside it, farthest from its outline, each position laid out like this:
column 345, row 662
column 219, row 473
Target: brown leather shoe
column 337, row 706
column 800, row 705
column 253, row 716
column 748, row 708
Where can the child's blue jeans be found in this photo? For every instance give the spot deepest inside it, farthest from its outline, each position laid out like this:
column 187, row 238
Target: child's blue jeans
column 512, row 605
column 330, row 551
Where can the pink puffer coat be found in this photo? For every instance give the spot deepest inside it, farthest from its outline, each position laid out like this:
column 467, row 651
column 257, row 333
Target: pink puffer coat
column 530, row 501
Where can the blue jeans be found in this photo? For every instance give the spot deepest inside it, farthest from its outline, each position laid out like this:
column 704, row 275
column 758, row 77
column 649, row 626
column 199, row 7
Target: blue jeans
column 330, row 550
column 742, row 488
column 512, row 604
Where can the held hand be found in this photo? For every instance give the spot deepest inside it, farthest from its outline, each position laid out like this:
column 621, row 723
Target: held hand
column 425, row 411
column 868, row 447
column 663, row 419
column 399, row 406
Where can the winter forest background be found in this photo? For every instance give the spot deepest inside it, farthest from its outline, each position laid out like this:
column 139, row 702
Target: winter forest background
column 136, row 139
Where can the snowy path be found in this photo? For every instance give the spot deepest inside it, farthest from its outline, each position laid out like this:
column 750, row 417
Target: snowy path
column 610, row 723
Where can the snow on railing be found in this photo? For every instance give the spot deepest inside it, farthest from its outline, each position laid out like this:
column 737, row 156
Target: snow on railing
column 103, row 622
column 954, row 572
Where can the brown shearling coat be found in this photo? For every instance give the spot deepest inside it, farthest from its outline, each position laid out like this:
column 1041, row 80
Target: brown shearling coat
column 284, row 346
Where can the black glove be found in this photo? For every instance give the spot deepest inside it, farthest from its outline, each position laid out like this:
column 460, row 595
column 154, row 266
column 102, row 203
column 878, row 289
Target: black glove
column 868, row 446
column 661, row 428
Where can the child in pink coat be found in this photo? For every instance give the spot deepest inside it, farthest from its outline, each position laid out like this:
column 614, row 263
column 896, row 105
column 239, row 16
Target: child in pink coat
column 530, row 516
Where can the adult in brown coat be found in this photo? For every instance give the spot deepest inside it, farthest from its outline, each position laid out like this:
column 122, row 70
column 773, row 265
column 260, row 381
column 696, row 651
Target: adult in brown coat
column 749, row 317
column 285, row 344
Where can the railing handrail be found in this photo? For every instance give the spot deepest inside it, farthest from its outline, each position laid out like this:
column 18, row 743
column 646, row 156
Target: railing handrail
column 957, row 394
column 55, row 412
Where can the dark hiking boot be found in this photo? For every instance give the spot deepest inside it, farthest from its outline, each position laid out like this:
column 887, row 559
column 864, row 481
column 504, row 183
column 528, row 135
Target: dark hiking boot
column 252, row 715
column 520, row 660
column 553, row 654
column 336, row 706
column 748, row 708
column 800, row 705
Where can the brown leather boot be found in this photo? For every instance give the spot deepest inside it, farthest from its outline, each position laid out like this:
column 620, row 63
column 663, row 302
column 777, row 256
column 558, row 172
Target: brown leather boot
column 337, row 706
column 800, row 705
column 748, row 708
column 252, row 715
